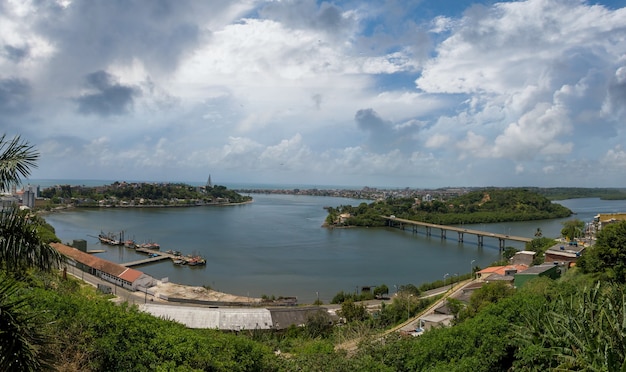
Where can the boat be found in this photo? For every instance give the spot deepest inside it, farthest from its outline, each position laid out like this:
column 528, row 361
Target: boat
column 108, row 239
column 196, row 261
column 151, row 245
column 179, row 262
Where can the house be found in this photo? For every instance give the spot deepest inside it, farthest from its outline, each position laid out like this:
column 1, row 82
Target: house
column 523, row 258
column 564, row 252
column 434, row 321
column 112, row 272
column 550, row 270
column 499, row 273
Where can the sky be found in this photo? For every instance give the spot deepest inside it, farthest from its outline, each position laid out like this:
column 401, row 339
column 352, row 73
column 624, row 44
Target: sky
column 378, row 93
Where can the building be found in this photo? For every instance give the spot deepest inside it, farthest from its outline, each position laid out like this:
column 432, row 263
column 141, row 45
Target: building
column 551, row 271
column 523, row 258
column 499, row 273
column 603, row 219
column 234, row 319
column 564, row 252
column 117, row 274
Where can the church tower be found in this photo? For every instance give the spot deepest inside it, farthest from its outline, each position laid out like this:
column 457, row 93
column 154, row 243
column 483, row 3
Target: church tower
column 208, row 182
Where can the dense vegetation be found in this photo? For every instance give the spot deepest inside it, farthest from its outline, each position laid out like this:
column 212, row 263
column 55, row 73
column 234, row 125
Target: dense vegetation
column 562, row 193
column 142, row 194
column 480, row 206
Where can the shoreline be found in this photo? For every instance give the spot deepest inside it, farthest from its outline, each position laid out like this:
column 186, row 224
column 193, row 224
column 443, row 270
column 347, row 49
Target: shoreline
column 66, row 207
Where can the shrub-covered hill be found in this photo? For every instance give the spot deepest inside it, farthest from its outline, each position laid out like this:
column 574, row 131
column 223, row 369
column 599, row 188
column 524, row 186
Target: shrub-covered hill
column 480, row 206
column 142, row 193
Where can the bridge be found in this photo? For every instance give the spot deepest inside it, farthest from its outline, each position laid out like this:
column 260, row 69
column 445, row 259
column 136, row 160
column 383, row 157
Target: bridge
column 401, row 223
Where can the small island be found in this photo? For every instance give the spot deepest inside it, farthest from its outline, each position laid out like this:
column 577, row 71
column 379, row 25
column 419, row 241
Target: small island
column 141, row 195
column 478, row 206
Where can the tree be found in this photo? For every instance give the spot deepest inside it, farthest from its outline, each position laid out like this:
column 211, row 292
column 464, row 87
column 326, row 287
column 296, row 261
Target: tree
column 21, row 248
column 351, row 311
column 319, row 324
column 573, row 229
column 16, row 159
column 608, row 256
column 381, row 290
column 509, row 252
column 22, row 345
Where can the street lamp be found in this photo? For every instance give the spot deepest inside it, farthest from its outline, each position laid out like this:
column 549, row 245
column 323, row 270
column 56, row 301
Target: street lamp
column 472, row 269
column 444, row 279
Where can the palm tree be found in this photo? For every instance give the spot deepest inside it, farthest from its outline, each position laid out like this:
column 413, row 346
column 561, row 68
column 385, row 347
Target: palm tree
column 22, row 344
column 16, row 159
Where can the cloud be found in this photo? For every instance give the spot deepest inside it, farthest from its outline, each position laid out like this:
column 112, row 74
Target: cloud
column 106, row 97
column 15, row 54
column 392, row 92
column 15, row 96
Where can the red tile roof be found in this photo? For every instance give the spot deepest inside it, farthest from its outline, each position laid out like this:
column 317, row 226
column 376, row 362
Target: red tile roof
column 98, row 263
column 502, row 269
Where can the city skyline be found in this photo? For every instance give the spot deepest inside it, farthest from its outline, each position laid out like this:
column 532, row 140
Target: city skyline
column 415, row 94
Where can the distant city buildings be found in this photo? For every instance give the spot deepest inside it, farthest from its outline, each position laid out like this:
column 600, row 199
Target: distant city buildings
column 25, row 198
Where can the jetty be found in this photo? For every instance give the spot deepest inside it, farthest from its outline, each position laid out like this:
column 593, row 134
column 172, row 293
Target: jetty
column 155, row 256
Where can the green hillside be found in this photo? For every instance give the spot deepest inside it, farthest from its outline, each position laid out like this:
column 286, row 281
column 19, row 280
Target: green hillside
column 480, row 206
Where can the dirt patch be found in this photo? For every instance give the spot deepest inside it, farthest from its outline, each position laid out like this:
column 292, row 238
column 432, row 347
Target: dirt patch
column 197, row 293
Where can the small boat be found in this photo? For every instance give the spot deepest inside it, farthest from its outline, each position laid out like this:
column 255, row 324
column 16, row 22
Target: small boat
column 108, row 239
column 151, row 245
column 180, row 262
column 196, row 261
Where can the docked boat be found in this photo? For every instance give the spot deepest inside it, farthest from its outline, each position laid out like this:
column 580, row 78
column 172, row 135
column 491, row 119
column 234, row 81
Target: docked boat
column 108, row 239
column 196, row 261
column 151, row 245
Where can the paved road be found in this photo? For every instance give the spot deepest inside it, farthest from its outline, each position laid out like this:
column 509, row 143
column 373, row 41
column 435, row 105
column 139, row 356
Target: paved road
column 411, row 324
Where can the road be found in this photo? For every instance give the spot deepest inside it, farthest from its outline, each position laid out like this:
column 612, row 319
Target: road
column 411, row 324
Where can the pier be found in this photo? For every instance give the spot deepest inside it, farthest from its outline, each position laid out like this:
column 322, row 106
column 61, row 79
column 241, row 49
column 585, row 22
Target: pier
column 401, row 223
column 159, row 257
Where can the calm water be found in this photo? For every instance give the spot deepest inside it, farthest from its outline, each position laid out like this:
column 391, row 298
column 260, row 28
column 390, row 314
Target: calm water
column 276, row 245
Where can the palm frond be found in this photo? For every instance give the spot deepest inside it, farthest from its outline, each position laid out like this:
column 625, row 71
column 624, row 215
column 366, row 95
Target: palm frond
column 17, row 157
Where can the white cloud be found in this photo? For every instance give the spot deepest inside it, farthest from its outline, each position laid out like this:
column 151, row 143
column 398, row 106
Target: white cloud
column 319, row 91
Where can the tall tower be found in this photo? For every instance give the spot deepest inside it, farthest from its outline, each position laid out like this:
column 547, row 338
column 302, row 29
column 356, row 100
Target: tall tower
column 208, row 182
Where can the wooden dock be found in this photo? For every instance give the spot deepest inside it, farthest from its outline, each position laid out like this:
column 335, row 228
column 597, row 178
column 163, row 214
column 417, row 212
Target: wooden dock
column 145, row 261
column 159, row 257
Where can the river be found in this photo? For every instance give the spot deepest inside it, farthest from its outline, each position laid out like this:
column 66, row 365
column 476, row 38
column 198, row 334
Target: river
column 276, row 245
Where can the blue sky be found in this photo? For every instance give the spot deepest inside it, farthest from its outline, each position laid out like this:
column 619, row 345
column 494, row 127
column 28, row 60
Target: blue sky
column 357, row 93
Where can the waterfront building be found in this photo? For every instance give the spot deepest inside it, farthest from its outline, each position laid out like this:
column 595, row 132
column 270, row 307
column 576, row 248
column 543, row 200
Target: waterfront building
column 117, row 274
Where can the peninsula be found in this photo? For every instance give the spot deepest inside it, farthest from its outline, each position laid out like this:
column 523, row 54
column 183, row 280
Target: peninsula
column 478, row 206
column 141, row 195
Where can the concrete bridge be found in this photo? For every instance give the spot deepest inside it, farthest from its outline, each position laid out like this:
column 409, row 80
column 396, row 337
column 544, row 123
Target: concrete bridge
column 502, row 238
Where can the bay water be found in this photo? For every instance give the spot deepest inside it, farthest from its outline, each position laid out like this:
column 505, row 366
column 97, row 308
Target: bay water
column 276, row 246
